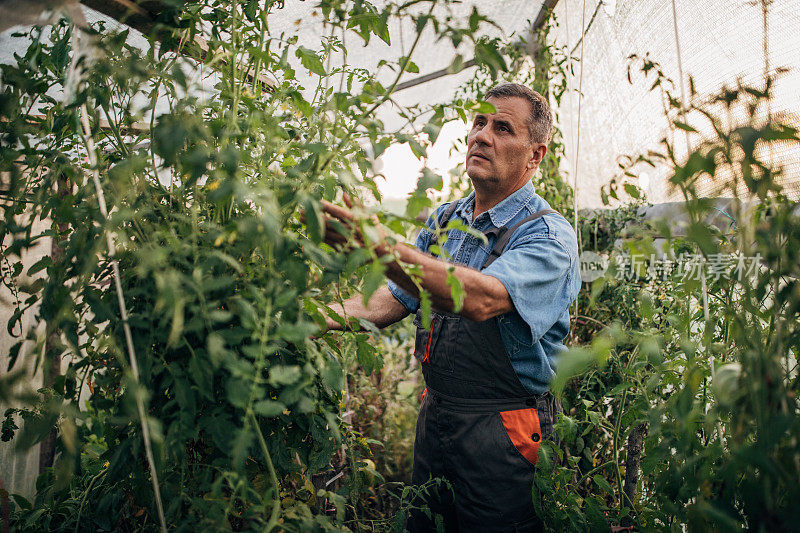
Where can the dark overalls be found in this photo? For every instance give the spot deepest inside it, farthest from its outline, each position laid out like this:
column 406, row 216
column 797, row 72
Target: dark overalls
column 478, row 426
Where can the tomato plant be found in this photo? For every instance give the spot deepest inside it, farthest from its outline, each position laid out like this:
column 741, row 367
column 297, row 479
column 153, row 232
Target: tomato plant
column 204, row 400
column 685, row 413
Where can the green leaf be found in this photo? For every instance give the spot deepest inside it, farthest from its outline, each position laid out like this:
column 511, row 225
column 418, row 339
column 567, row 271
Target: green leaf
column 456, row 289
column 315, row 223
column 22, row 502
column 284, row 374
column 215, row 345
column 40, row 265
column 726, row 383
column 297, row 332
column 367, row 356
column 483, row 107
column 60, row 51
column 426, row 308
column 488, row 54
column 683, row 126
column 432, row 128
column 632, row 190
column 332, row 375
column 9, row 425
column 310, row 60
column 417, row 149
column 567, row 428
column 380, row 27
column 619, row 388
column 13, row 354
column 16, row 317
column 429, row 180
column 176, row 328
column 242, row 442
column 474, row 19
column 238, row 392
column 595, row 516
column 369, row 326
column 268, row 408
column 457, row 65
column 301, row 103
column 251, row 10
column 603, row 484
column 373, row 279
column 571, row 364
column 408, row 66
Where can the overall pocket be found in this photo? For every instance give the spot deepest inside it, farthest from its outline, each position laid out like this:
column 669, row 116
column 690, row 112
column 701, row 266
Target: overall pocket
column 522, row 428
column 426, row 347
column 425, row 341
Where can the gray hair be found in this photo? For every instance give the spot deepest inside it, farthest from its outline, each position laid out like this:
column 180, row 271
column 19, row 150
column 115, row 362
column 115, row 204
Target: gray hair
column 540, row 119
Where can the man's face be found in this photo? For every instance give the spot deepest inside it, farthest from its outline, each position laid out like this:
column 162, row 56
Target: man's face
column 500, row 154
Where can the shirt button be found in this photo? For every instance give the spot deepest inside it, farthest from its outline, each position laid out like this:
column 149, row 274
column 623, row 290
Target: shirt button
column 535, row 437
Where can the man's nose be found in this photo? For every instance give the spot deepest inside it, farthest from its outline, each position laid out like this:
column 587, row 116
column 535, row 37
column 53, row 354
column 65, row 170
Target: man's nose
column 483, row 136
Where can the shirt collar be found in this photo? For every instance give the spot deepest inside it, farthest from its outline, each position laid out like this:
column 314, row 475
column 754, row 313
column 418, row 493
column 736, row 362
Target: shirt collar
column 503, row 212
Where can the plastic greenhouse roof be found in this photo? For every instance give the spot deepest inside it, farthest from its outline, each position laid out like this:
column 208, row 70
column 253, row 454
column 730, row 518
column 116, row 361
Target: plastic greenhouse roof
column 720, row 41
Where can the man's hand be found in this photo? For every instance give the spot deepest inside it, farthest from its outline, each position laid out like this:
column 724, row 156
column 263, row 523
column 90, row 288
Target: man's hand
column 338, row 218
column 343, row 231
column 382, row 309
column 484, row 296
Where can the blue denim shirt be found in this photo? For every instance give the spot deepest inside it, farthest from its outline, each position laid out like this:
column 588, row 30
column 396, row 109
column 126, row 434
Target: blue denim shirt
column 539, row 268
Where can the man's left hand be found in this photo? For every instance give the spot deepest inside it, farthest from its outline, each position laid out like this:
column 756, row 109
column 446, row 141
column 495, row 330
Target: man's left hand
column 336, row 217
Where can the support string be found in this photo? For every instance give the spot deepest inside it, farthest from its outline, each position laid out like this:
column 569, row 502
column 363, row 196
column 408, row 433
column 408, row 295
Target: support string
column 92, row 154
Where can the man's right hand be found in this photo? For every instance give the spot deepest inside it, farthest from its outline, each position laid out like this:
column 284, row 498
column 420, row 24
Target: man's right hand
column 382, row 309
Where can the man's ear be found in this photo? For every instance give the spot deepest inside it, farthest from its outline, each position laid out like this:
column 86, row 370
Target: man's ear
column 539, row 150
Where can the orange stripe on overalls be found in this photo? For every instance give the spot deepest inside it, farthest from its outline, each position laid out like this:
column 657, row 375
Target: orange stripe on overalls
column 427, row 354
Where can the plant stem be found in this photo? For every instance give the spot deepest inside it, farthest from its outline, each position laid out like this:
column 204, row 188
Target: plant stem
column 92, row 154
column 377, row 104
column 592, row 471
column 276, row 497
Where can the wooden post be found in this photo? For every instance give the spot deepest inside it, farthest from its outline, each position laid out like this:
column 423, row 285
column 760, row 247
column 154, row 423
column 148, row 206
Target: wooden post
column 632, row 460
column 51, row 368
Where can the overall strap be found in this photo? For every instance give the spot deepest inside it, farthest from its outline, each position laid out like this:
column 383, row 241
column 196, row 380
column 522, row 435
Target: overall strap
column 504, row 235
column 444, row 219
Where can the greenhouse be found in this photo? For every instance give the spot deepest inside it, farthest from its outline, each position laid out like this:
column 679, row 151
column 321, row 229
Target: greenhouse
column 429, row 265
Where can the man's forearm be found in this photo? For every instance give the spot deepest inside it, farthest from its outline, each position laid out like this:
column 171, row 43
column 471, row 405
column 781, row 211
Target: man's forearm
column 484, row 296
column 382, row 309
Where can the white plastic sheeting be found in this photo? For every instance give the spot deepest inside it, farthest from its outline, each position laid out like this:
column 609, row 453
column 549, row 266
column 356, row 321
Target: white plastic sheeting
column 513, row 17
column 720, row 40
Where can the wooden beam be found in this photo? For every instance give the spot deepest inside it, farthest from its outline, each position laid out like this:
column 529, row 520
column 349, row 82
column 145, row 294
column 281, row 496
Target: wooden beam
column 143, row 17
column 545, row 10
column 127, row 12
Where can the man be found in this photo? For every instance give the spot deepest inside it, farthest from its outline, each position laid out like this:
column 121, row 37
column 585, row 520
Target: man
column 487, row 367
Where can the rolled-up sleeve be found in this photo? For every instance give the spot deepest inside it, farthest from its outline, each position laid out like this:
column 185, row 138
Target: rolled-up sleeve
column 539, row 274
column 409, row 302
